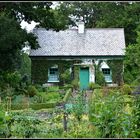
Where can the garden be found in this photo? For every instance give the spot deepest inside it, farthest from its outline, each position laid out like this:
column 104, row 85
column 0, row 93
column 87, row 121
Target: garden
column 61, row 112
column 31, row 110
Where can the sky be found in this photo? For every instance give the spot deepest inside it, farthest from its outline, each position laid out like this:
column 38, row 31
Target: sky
column 30, row 27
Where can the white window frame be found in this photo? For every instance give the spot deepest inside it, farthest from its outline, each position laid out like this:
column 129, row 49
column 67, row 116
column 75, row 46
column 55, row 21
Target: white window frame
column 108, row 76
column 55, row 76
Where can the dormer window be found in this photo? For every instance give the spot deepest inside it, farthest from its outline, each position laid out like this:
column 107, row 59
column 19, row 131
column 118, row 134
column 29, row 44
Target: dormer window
column 107, row 74
column 106, row 71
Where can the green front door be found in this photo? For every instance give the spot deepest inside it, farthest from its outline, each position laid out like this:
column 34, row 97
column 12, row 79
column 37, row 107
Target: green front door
column 84, row 78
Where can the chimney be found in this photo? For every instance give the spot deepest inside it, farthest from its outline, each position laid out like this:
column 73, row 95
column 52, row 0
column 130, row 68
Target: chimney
column 81, row 27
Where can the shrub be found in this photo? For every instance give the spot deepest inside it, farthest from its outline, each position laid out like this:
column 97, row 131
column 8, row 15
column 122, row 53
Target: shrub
column 9, row 91
column 67, row 86
column 93, row 86
column 40, row 88
column 24, row 126
column 4, row 128
column 41, row 97
column 75, row 84
column 111, row 115
column 79, row 108
column 43, row 105
column 99, row 79
column 53, row 96
column 66, row 76
column 13, row 78
column 67, row 95
column 31, row 91
column 52, row 88
column 126, row 89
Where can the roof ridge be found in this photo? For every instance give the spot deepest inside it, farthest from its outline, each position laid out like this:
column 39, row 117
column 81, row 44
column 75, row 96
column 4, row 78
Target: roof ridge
column 41, row 28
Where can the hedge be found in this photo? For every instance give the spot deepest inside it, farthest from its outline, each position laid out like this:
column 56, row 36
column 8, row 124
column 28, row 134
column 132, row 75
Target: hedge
column 66, row 97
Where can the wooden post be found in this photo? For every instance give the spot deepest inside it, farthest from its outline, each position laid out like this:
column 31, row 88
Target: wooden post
column 65, row 118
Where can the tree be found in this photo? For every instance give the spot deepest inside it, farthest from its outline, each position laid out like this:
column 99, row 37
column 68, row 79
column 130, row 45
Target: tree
column 13, row 38
column 131, row 62
column 34, row 11
column 105, row 15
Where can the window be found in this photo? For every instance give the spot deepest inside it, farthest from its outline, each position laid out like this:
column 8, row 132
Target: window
column 53, row 74
column 106, row 71
column 107, row 75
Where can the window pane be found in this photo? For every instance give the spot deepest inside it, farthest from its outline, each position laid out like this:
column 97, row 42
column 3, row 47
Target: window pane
column 53, row 74
column 106, row 71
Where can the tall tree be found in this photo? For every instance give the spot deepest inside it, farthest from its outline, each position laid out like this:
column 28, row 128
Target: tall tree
column 132, row 62
column 13, row 38
column 105, row 15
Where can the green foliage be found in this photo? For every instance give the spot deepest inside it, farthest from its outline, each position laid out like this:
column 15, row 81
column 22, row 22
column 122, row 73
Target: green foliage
column 126, row 89
column 75, row 83
column 25, row 69
column 11, row 43
column 79, row 108
column 24, row 126
column 53, row 88
column 98, row 15
column 67, row 95
column 93, row 86
column 131, row 62
column 53, row 96
column 40, row 88
column 40, row 69
column 45, row 97
column 112, row 114
column 13, row 78
column 39, row 106
column 116, row 67
column 82, row 130
column 35, row 11
column 99, row 79
column 66, row 76
column 136, row 112
column 5, row 120
column 31, row 91
column 11, row 15
column 9, row 91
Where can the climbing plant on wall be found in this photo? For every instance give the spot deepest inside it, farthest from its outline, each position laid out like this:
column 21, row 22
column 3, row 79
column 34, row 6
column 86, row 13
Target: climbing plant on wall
column 116, row 67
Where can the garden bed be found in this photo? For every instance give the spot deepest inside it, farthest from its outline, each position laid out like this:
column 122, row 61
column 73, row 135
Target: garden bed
column 42, row 100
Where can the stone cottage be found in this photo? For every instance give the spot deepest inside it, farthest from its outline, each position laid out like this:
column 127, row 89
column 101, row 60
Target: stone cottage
column 77, row 50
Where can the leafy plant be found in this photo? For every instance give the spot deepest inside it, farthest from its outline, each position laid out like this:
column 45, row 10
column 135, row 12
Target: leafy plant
column 112, row 115
column 75, row 84
column 99, row 79
column 93, row 86
column 66, row 76
column 24, row 126
column 126, row 89
column 79, row 108
column 31, row 91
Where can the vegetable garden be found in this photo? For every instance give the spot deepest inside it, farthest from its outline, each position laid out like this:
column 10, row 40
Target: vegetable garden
column 99, row 113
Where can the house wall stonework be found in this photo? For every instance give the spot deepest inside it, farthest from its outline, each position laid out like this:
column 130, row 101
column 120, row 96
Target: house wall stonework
column 39, row 69
column 91, row 74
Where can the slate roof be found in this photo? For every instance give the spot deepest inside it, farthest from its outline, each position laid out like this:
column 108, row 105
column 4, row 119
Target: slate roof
column 94, row 42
